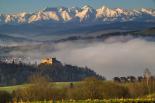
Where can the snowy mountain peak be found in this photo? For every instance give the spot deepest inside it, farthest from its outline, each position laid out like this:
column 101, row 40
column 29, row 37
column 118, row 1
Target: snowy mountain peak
column 23, row 14
column 86, row 7
column 62, row 9
column 103, row 7
column 105, row 12
column 119, row 10
column 86, row 14
column 148, row 11
column 74, row 10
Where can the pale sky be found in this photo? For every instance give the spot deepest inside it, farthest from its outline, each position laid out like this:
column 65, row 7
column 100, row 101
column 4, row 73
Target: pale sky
column 14, row 6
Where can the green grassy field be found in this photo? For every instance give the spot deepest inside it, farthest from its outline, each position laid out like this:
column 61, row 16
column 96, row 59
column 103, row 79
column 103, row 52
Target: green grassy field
column 56, row 84
column 11, row 88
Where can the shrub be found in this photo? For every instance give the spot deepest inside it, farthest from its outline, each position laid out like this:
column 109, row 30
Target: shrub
column 40, row 89
column 137, row 89
column 5, row 97
column 114, row 90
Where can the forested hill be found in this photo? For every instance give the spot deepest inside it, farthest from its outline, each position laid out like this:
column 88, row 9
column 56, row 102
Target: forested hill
column 13, row 74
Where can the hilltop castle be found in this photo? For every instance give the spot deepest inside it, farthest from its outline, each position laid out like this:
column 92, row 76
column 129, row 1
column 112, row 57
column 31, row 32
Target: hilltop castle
column 50, row 61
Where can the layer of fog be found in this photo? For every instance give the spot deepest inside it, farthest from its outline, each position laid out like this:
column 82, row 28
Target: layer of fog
column 110, row 58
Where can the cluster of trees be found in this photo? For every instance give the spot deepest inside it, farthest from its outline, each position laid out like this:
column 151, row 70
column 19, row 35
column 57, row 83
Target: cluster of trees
column 13, row 74
column 90, row 88
column 128, row 79
column 131, row 79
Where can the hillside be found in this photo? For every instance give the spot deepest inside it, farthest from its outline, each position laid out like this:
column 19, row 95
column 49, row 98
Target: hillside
column 149, row 31
column 146, row 33
column 12, row 74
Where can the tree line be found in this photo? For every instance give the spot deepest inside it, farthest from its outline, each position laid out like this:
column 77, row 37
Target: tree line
column 13, row 74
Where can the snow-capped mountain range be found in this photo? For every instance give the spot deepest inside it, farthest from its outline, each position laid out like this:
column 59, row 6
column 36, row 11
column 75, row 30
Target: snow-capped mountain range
column 84, row 15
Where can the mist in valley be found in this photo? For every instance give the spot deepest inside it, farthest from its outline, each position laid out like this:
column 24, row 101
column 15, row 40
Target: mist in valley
column 115, row 56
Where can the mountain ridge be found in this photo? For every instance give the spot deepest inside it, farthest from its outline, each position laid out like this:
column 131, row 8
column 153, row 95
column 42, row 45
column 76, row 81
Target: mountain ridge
column 86, row 14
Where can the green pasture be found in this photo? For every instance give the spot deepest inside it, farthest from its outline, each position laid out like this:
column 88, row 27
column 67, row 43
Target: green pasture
column 56, row 84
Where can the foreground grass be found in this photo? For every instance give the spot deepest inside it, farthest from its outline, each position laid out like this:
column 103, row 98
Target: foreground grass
column 98, row 101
